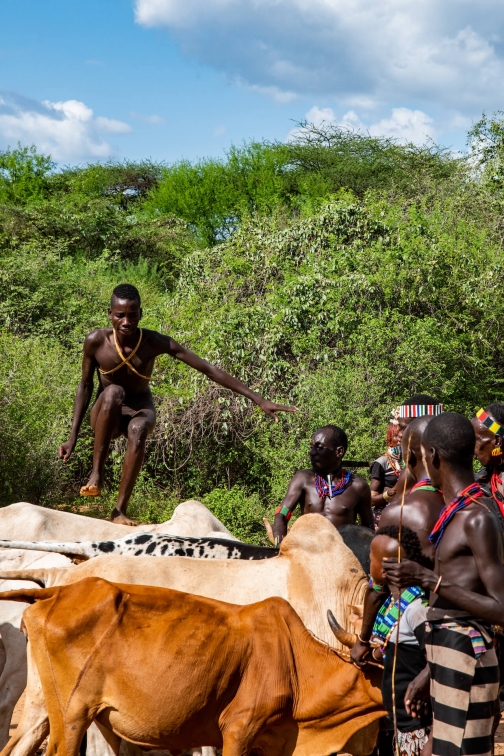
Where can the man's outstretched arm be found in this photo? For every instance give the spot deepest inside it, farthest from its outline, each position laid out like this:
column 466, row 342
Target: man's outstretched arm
column 288, row 505
column 82, row 399
column 223, row 379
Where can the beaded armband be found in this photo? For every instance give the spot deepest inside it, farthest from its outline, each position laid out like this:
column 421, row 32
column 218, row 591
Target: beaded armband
column 285, row 511
column 378, row 588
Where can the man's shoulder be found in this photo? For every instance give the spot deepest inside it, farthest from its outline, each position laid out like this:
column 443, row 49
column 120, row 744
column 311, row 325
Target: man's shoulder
column 306, row 475
column 480, row 516
column 96, row 337
column 359, row 484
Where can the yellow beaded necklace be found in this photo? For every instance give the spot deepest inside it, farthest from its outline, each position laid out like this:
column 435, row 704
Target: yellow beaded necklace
column 125, row 360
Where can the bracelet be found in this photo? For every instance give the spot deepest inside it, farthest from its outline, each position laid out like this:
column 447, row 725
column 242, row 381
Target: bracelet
column 437, row 584
column 366, row 642
column 278, row 540
column 386, row 496
column 285, row 511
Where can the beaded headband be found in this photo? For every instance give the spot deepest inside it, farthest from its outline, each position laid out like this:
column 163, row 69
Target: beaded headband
column 489, row 422
column 410, row 411
column 419, row 410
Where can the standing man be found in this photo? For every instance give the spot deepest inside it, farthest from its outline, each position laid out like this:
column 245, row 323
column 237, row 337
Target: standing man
column 420, row 512
column 326, row 488
column 466, row 594
column 124, row 357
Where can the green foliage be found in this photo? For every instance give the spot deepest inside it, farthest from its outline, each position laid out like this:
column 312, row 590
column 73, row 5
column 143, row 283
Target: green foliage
column 327, row 158
column 214, row 195
column 242, row 514
column 486, row 140
column 24, row 175
column 350, row 274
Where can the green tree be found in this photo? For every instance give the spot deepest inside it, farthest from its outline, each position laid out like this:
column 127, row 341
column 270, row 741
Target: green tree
column 24, row 175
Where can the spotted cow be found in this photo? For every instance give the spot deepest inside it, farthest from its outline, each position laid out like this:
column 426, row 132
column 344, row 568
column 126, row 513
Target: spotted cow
column 150, row 544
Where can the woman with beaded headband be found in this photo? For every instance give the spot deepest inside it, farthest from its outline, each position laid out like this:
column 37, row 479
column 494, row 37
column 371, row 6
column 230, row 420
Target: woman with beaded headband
column 386, row 470
column 488, row 426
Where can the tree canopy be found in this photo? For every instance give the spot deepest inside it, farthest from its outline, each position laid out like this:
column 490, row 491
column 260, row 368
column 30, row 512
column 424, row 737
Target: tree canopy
column 337, row 272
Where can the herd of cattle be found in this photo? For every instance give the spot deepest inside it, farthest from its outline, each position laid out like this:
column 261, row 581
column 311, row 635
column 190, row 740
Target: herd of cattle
column 218, row 645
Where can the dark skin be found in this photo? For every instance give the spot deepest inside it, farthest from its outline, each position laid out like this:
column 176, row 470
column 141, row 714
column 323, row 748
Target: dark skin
column 340, row 510
column 420, row 513
column 377, row 487
column 124, row 404
column 382, row 547
column 469, row 556
column 486, row 442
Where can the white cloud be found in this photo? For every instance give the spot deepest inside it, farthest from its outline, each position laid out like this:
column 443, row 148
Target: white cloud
column 274, row 93
column 153, row 119
column 66, row 130
column 219, row 131
column 403, row 124
column 444, row 58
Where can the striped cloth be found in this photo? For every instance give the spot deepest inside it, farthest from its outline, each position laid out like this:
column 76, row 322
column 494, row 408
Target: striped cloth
column 464, row 685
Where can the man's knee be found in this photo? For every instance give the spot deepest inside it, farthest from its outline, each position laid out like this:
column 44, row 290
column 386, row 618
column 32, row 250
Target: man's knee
column 138, row 430
column 113, row 396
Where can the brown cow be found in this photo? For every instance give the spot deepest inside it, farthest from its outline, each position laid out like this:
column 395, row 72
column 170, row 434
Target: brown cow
column 166, row 669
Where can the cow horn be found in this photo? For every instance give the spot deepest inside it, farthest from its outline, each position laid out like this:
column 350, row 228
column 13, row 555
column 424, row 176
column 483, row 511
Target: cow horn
column 347, row 639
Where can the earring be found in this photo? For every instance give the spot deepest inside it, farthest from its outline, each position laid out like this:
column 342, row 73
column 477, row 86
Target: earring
column 497, row 451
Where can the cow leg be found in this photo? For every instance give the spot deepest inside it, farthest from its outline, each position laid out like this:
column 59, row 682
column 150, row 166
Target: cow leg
column 12, row 678
column 33, row 726
column 102, row 742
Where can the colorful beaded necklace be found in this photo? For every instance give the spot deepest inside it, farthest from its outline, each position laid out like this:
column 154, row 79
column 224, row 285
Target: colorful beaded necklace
column 322, row 487
column 424, row 485
column 467, row 496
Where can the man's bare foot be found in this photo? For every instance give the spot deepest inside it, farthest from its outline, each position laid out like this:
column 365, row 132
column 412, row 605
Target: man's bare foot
column 90, row 490
column 118, row 518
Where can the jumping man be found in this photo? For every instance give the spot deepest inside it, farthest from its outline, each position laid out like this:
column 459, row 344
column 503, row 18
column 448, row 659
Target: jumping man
column 124, row 357
column 327, row 488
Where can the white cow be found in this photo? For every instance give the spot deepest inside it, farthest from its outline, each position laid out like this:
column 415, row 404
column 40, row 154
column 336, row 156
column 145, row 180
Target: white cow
column 28, row 522
column 314, row 571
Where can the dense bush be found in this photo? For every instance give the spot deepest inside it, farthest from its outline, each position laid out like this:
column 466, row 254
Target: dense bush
column 342, row 301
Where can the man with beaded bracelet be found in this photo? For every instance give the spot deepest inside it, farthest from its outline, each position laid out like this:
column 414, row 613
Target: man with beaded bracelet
column 326, row 488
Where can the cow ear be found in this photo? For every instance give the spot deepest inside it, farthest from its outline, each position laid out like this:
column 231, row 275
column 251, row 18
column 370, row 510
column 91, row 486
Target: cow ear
column 269, row 530
column 356, row 614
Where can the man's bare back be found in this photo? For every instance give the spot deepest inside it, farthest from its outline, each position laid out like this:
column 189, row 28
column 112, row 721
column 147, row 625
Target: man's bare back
column 123, row 356
column 342, row 500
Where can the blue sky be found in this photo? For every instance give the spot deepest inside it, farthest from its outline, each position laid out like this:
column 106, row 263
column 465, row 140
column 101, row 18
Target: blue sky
column 172, row 79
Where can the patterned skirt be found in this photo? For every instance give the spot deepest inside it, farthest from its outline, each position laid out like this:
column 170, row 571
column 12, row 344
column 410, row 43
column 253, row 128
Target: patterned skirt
column 412, row 743
column 464, row 688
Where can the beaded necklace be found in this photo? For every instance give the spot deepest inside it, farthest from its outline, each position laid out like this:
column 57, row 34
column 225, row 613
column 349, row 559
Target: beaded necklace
column 496, row 494
column 467, row 496
column 322, row 487
column 396, row 464
column 424, row 485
